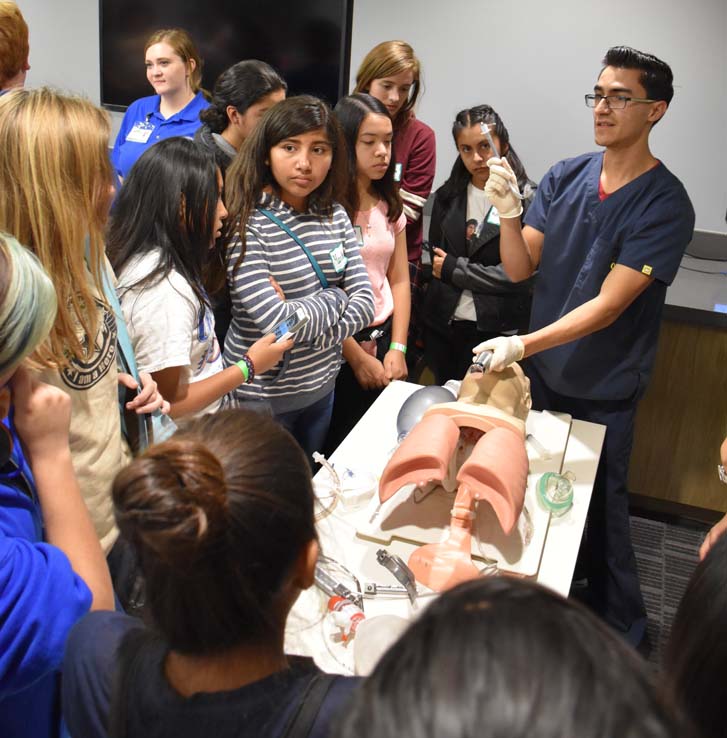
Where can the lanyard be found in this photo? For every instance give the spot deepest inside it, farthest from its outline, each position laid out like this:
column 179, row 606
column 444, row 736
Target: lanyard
column 306, row 250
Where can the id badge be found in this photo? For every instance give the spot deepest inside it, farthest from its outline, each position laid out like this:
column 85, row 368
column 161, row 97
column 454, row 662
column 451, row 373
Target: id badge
column 338, row 257
column 140, row 132
column 493, row 217
column 359, row 235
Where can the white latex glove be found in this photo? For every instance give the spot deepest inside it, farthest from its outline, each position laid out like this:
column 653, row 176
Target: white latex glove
column 498, row 188
column 506, row 350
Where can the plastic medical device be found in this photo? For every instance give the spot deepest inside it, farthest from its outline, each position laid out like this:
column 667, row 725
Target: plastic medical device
column 490, row 410
column 481, row 362
column 485, row 127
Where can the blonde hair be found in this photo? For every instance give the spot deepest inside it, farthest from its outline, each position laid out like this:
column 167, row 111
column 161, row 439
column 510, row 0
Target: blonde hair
column 184, row 48
column 55, row 179
column 386, row 60
column 14, row 47
column 27, row 303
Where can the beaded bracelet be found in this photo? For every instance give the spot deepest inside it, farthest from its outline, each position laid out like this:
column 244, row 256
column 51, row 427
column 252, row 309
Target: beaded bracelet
column 246, row 366
column 397, row 347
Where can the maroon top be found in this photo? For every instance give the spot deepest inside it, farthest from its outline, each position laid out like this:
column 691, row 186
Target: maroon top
column 414, row 154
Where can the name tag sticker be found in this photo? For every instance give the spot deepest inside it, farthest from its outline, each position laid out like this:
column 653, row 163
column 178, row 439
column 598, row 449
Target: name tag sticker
column 493, row 217
column 338, row 257
column 646, row 269
column 140, row 132
column 398, row 169
column 359, row 235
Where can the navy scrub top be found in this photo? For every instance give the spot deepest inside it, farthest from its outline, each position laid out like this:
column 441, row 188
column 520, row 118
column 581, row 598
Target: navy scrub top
column 645, row 225
column 144, row 125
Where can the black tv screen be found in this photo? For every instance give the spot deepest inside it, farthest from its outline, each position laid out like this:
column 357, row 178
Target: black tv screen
column 307, row 41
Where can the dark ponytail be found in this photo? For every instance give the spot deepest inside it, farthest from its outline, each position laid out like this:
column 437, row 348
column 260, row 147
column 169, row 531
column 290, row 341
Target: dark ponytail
column 241, row 86
column 459, row 177
column 218, row 515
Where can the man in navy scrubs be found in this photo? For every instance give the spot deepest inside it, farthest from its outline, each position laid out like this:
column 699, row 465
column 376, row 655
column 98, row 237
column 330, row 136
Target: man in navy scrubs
column 607, row 231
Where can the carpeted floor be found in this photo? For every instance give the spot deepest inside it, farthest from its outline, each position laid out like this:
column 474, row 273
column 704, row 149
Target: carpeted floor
column 667, row 554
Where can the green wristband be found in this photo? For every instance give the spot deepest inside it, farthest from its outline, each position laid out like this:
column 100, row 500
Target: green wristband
column 397, row 347
column 242, row 366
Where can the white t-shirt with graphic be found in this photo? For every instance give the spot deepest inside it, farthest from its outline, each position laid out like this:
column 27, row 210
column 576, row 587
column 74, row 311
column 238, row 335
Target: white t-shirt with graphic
column 477, row 208
column 167, row 324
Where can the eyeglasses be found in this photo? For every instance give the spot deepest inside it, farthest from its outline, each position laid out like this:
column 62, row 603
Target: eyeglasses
column 614, row 102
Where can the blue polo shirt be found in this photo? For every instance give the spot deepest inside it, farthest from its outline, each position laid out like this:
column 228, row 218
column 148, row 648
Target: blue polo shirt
column 144, row 125
column 41, row 598
column 645, row 225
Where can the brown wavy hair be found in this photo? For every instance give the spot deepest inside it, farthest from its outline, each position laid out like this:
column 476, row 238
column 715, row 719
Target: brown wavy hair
column 351, row 112
column 56, row 179
column 250, row 174
column 385, row 60
column 14, row 48
column 183, row 47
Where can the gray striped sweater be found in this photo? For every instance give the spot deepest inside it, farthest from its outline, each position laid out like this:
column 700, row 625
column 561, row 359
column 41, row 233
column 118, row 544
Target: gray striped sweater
column 308, row 371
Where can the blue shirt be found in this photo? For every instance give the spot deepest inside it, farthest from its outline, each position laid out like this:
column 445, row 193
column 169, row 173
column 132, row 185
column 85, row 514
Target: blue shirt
column 154, row 709
column 645, row 225
column 40, row 600
column 143, row 117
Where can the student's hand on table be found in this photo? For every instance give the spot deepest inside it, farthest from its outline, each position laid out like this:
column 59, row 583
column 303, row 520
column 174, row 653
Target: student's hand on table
column 369, row 372
column 498, row 188
column 149, row 398
column 266, row 354
column 506, row 350
column 42, row 415
column 395, row 365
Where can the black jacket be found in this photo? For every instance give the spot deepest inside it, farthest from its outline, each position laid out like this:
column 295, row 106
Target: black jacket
column 223, row 156
column 500, row 305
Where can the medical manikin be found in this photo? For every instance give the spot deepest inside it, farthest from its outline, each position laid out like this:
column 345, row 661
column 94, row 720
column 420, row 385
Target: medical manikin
column 476, row 447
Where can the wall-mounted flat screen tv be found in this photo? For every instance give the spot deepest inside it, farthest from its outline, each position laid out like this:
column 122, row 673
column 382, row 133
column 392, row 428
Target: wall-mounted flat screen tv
column 307, row 41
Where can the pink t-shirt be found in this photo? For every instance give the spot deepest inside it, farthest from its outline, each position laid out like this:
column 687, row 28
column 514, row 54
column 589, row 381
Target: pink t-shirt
column 379, row 235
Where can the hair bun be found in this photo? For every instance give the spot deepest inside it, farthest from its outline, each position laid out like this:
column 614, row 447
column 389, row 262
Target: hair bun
column 173, row 499
column 214, row 117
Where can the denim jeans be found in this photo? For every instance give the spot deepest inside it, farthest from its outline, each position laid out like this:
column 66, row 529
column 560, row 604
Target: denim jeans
column 309, row 425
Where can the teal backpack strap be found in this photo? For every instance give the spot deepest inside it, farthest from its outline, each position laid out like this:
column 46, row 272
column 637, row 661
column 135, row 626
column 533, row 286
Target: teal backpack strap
column 312, row 259
column 161, row 426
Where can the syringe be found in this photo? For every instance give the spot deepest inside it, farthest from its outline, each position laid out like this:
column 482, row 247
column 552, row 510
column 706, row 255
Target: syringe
column 485, row 128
